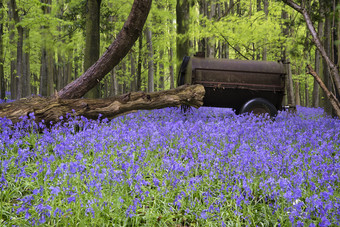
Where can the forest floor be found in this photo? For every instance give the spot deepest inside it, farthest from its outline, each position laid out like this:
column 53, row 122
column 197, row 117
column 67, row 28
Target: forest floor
column 208, row 167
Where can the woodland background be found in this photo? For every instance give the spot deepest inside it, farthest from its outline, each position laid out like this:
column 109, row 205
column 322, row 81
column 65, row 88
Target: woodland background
column 45, row 44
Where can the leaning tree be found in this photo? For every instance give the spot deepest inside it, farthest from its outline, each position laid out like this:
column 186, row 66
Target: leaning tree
column 331, row 66
column 68, row 99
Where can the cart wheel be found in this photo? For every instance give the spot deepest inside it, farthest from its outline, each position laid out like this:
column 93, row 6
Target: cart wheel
column 259, row 106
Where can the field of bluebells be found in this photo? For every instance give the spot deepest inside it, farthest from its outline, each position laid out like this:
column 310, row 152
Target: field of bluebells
column 208, row 167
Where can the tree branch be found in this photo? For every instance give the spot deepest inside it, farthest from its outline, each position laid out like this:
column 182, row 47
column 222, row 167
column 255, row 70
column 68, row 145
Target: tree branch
column 113, row 55
column 330, row 64
column 334, row 101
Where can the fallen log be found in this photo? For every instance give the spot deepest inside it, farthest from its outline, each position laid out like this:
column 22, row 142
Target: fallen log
column 52, row 108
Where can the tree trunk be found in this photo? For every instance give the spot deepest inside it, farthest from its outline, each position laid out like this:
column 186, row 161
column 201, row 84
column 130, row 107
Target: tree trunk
column 171, row 69
column 139, row 66
column 26, row 69
column 334, row 101
column 13, row 75
column 52, row 109
column 20, row 43
column 327, row 48
column 297, row 93
column 161, row 71
column 182, row 19
column 317, row 65
column 332, row 68
column 2, row 60
column 114, row 87
column 148, row 35
column 47, row 59
column 133, row 73
column 289, row 85
column 115, row 52
column 92, row 43
column 211, row 40
column 306, row 94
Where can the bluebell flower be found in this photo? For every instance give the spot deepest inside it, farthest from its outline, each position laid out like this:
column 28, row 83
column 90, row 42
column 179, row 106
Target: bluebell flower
column 55, row 190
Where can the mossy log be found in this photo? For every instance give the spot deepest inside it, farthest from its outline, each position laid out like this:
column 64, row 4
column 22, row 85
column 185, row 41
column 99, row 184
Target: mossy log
column 52, row 108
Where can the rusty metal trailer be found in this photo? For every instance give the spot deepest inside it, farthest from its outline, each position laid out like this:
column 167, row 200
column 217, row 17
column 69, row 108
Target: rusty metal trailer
column 246, row 86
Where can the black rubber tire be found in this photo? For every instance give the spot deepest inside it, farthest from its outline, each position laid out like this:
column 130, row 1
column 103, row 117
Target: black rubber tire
column 259, row 106
column 182, row 71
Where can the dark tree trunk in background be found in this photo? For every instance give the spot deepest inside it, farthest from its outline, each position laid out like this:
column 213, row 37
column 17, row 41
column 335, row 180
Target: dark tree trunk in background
column 92, row 43
column 161, row 72
column 14, row 82
column 133, row 72
column 20, row 44
column 114, row 85
column 316, row 90
column 182, row 19
column 289, row 85
column 2, row 60
column 139, row 66
column 171, row 69
column 297, row 93
column 326, row 104
column 306, row 94
column 115, row 52
column 211, row 14
column 202, row 41
column 47, row 59
column 148, row 35
column 26, row 69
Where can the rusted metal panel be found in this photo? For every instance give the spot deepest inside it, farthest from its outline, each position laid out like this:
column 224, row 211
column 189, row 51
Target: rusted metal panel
column 231, row 83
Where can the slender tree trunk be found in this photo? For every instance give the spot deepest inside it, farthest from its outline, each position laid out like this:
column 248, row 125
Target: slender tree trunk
column 20, row 43
column 13, row 79
column 266, row 12
column 114, row 87
column 20, row 46
column 139, row 66
column 211, row 39
column 92, row 44
column 161, row 72
column 202, row 41
column 133, row 73
column 297, row 93
column 26, row 73
column 306, row 94
column 317, row 65
column 68, row 76
column 148, row 35
column 182, row 19
column 327, row 47
column 60, row 72
column 2, row 60
column 47, row 59
column 171, row 69
column 289, row 85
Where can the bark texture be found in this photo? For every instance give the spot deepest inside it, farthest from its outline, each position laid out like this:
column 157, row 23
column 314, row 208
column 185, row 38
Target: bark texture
column 113, row 55
column 92, row 44
column 51, row 109
column 2, row 60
